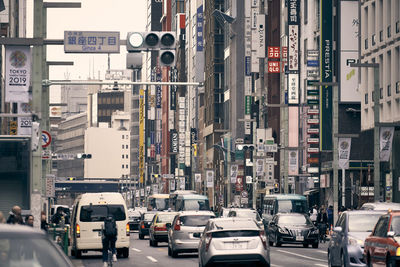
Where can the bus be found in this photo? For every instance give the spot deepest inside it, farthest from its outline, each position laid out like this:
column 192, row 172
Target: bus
column 158, row 202
column 283, row 203
column 174, row 195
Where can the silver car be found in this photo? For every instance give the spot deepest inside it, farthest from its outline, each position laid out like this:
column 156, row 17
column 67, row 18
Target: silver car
column 233, row 240
column 182, row 229
column 346, row 245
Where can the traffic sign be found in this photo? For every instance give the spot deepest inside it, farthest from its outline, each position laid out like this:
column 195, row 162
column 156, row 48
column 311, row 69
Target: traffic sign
column 91, row 42
column 46, row 139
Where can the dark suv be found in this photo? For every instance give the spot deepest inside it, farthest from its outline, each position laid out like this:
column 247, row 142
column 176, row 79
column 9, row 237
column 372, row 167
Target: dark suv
column 144, row 224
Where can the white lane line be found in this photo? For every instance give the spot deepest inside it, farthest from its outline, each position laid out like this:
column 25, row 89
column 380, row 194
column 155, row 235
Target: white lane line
column 152, row 259
column 322, row 251
column 319, row 264
column 274, row 265
column 299, row 255
column 137, row 250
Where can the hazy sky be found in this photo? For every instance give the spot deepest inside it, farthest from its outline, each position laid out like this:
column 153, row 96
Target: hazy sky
column 94, row 15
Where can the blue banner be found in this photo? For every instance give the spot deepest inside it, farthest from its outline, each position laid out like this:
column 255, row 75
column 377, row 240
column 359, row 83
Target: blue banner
column 199, row 32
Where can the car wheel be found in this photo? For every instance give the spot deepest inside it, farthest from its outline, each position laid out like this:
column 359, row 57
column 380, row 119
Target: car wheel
column 78, row 254
column 150, row 242
column 155, row 243
column 389, row 261
column 277, row 243
column 125, row 252
column 315, row 244
column 174, row 253
column 169, row 251
column 305, row 245
column 141, row 236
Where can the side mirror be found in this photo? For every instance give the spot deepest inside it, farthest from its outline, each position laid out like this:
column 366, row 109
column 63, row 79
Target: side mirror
column 390, row 234
column 198, row 235
column 337, row 229
column 168, row 225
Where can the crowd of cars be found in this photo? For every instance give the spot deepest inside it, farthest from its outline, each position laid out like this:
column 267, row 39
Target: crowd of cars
column 366, row 237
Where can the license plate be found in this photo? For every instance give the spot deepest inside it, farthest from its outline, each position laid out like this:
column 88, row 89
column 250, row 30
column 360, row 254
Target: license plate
column 236, row 245
column 299, row 238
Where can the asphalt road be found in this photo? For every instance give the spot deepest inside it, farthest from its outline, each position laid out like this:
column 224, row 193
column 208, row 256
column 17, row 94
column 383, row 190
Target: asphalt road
column 141, row 254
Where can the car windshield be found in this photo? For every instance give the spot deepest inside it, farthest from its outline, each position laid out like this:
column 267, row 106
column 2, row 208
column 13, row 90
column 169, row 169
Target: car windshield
column 294, row 219
column 148, row 216
column 159, row 203
column 245, row 214
column 195, row 220
column 196, row 204
column 165, row 218
column 38, row 252
column 289, row 205
column 395, row 225
column 362, row 222
column 97, row 213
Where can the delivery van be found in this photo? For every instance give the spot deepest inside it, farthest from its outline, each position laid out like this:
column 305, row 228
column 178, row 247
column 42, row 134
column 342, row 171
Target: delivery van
column 87, row 222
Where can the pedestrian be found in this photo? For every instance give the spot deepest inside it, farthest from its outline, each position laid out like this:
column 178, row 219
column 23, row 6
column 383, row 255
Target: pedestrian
column 15, row 216
column 109, row 238
column 29, row 220
column 314, row 214
column 322, row 221
column 43, row 221
column 59, row 216
column 330, row 216
column 2, row 219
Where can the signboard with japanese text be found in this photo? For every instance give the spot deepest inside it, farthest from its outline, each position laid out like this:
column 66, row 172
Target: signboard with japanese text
column 91, row 42
column 293, row 88
column 293, row 48
column 17, row 73
column 274, row 52
column 210, row 178
column 199, row 27
column 234, row 173
column 141, row 135
column 344, row 152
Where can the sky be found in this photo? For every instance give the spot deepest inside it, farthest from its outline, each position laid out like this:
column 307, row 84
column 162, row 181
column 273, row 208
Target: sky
column 94, row 15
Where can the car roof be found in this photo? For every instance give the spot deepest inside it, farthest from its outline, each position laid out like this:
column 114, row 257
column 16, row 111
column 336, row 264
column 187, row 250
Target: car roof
column 192, row 196
column 381, row 205
column 196, row 212
column 285, row 196
column 290, row 214
column 231, row 223
column 350, row 212
column 21, row 230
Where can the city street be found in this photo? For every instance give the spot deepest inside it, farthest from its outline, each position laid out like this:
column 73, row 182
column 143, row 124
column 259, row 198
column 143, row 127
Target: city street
column 142, row 254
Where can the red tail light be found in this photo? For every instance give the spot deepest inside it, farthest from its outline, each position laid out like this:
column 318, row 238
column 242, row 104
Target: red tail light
column 156, row 228
column 263, row 239
column 177, row 226
column 208, row 240
column 78, row 231
column 127, row 230
column 142, row 225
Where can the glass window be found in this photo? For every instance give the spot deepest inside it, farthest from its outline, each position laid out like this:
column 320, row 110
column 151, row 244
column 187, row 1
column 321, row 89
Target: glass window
column 123, row 166
column 340, row 220
column 380, row 229
column 395, row 225
column 126, row 166
column 362, row 222
column 165, row 218
column 299, row 206
column 196, row 220
column 97, row 213
column 239, row 233
column 294, row 219
column 366, row 98
column 195, row 204
column 389, row 90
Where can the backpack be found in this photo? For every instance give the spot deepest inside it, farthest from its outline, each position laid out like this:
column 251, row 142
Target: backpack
column 110, row 227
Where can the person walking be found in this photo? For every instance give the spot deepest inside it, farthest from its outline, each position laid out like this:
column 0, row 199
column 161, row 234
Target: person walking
column 15, row 216
column 322, row 222
column 330, row 216
column 43, row 221
column 109, row 238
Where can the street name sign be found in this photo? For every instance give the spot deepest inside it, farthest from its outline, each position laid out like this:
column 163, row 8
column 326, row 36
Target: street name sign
column 91, row 42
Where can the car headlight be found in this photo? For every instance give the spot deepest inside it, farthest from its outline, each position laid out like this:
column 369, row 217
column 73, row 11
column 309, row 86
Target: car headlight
column 355, row 242
column 282, row 231
column 315, row 232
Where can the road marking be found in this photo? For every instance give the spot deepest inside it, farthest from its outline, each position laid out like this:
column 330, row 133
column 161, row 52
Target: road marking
column 299, row 255
column 137, row 250
column 152, row 259
column 274, row 265
column 319, row 264
column 322, row 251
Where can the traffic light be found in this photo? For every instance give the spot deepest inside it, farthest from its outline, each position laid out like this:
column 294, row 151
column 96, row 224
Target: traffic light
column 84, row 156
column 165, row 42
column 245, row 147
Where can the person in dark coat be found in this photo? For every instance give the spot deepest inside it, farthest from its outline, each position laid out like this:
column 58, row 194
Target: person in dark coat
column 57, row 218
column 15, row 216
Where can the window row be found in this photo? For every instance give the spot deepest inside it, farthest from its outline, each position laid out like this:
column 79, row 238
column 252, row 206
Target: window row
column 388, row 92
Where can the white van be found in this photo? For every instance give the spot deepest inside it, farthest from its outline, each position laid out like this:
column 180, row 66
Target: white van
column 87, row 222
